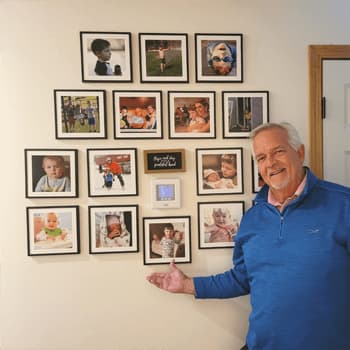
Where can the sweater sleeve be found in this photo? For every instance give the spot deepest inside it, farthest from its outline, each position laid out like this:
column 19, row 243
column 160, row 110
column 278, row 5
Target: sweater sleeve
column 229, row 284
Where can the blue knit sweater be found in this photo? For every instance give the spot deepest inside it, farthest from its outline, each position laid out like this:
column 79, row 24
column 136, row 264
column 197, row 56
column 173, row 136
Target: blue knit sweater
column 296, row 267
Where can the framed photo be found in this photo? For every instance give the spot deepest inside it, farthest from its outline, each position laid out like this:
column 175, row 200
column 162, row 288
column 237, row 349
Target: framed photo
column 243, row 111
column 167, row 238
column 80, row 114
column 191, row 114
column 219, row 170
column 163, row 58
column 106, row 57
column 112, row 172
column 219, row 58
column 166, row 193
column 164, row 161
column 51, row 173
column 257, row 180
column 113, row 229
column 137, row 114
column 53, row 230
column 218, row 223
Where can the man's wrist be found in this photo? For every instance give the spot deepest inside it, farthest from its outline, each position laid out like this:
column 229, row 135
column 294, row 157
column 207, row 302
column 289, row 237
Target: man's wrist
column 189, row 286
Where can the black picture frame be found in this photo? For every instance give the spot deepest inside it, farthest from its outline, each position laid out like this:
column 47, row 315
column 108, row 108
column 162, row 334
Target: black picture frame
column 53, row 230
column 113, row 229
column 191, row 114
column 180, row 247
column 163, row 57
column 80, row 114
column 137, row 114
column 219, row 58
column 218, row 223
column 243, row 111
column 119, row 178
column 225, row 165
column 119, row 66
column 51, row 173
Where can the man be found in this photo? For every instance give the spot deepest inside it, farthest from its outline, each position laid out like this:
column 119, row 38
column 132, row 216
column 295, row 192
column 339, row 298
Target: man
column 292, row 254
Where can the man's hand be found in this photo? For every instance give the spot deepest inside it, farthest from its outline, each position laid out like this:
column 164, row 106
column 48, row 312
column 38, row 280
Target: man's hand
column 174, row 281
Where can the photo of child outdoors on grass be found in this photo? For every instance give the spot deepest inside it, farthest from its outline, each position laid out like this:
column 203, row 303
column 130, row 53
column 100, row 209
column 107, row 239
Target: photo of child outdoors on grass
column 80, row 114
column 163, row 57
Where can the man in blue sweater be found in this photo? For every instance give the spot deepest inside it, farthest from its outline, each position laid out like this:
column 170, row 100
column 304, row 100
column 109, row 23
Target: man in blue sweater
column 292, row 254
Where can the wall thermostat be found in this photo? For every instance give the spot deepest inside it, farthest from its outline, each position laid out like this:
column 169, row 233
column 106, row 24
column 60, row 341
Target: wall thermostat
column 166, row 193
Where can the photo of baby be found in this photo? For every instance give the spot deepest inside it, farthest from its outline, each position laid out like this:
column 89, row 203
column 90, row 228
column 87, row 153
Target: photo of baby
column 51, row 173
column 113, row 229
column 53, row 230
column 219, row 171
column 218, row 223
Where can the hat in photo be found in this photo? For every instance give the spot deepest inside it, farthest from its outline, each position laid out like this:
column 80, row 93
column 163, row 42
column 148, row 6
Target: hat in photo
column 208, row 172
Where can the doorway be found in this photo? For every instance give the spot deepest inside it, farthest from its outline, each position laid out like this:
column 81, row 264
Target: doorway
column 317, row 54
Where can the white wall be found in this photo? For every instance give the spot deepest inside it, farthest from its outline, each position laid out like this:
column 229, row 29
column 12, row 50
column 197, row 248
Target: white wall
column 103, row 301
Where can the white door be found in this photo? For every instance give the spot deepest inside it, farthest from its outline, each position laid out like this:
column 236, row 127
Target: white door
column 336, row 125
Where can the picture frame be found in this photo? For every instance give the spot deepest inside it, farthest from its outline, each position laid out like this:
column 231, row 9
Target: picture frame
column 166, row 193
column 219, row 57
column 243, row 111
column 163, row 57
column 218, row 223
column 113, row 229
column 219, row 171
column 137, row 114
column 51, row 173
column 112, row 172
column 164, row 160
column 191, row 114
column 53, row 230
column 257, row 180
column 106, row 57
column 161, row 247
column 80, row 114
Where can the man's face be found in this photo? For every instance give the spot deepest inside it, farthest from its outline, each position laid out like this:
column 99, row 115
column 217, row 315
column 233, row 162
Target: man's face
column 280, row 165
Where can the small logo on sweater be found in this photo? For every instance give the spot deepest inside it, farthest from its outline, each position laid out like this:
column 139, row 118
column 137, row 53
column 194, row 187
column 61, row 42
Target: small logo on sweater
column 313, row 230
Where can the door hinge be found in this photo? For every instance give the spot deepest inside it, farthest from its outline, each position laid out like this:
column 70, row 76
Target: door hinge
column 323, row 108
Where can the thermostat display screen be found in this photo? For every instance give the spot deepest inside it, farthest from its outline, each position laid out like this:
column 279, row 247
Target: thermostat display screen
column 165, row 192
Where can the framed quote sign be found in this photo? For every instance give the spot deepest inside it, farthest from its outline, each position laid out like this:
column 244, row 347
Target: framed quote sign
column 159, row 161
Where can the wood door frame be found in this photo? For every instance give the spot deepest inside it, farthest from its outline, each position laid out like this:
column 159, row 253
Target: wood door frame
column 318, row 53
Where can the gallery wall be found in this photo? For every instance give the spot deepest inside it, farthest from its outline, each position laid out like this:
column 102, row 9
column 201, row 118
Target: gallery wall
column 88, row 301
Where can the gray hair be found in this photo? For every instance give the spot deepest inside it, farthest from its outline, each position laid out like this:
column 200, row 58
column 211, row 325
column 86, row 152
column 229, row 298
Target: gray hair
column 293, row 135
